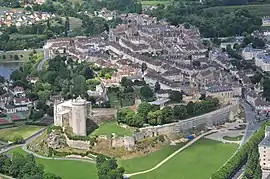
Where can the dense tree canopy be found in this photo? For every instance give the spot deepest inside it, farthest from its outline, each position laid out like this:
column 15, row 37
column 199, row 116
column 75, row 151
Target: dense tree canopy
column 210, row 23
column 24, row 167
column 153, row 115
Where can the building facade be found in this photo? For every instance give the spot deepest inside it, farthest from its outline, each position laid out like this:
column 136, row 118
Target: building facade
column 264, row 150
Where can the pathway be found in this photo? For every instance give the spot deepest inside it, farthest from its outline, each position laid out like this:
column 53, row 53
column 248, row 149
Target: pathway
column 55, row 158
column 33, row 137
column 171, row 156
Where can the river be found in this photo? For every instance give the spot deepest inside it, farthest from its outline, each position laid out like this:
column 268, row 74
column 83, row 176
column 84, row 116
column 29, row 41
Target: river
column 7, row 68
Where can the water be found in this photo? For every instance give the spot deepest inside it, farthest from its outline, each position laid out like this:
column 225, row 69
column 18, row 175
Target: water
column 7, row 68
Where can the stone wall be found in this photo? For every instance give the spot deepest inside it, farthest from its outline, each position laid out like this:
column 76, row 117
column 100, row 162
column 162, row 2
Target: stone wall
column 78, row 144
column 127, row 141
column 210, row 119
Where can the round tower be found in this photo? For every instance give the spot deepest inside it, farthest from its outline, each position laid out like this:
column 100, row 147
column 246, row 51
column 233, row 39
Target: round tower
column 79, row 115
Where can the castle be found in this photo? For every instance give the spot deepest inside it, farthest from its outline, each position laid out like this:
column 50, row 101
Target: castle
column 72, row 113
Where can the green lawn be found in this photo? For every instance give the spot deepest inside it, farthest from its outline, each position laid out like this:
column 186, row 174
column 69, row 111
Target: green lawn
column 198, row 161
column 24, row 131
column 148, row 161
column 107, row 128
column 236, row 138
column 153, row 3
column 66, row 169
column 261, row 10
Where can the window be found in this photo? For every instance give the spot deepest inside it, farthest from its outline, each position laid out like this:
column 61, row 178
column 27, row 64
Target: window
column 263, row 163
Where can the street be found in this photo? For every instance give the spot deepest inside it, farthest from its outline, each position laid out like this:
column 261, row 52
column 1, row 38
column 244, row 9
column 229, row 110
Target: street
column 252, row 126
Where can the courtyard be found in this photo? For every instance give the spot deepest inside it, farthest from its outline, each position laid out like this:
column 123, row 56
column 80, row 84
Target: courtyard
column 109, row 127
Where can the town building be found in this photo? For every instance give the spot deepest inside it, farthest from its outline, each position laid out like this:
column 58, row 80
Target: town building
column 263, row 61
column 223, row 93
column 264, row 150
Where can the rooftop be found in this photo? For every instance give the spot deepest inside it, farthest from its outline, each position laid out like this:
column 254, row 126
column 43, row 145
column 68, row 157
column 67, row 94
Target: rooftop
column 160, row 101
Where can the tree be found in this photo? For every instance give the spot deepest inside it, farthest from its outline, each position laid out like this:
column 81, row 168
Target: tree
column 180, row 112
column 144, row 108
column 126, row 82
column 50, row 176
column 87, row 72
column 144, row 67
column 154, row 117
column 146, row 92
column 176, row 96
column 190, row 108
column 44, row 95
column 137, row 120
column 2, row 79
column 157, row 86
column 16, row 57
column 258, row 43
column 108, row 168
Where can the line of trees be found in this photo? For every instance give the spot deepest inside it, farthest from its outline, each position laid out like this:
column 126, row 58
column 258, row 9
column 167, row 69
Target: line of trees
column 253, row 168
column 241, row 157
column 108, row 168
column 24, row 167
column 153, row 115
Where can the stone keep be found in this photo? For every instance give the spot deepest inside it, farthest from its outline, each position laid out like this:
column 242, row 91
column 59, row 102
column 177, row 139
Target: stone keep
column 72, row 113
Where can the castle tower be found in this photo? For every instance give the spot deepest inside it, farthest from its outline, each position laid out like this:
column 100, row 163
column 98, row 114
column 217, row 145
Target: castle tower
column 57, row 118
column 79, row 115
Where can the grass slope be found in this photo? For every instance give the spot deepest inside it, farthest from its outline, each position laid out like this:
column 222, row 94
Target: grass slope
column 148, row 161
column 108, row 128
column 65, row 169
column 25, row 131
column 198, row 161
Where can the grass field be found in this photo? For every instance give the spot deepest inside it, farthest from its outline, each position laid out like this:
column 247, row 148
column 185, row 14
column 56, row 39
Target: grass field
column 66, row 169
column 236, row 138
column 153, row 3
column 198, row 161
column 148, row 161
column 24, row 131
column 9, row 55
column 108, row 128
column 261, row 10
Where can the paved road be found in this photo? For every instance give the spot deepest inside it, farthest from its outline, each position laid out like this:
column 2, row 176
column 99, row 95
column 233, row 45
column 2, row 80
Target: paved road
column 252, row 126
column 41, row 63
column 170, row 156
